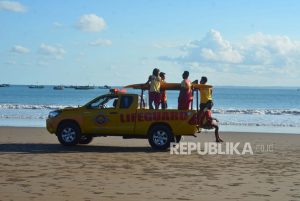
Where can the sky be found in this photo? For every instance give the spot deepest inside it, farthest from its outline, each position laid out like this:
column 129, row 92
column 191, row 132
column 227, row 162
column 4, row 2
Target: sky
column 120, row 42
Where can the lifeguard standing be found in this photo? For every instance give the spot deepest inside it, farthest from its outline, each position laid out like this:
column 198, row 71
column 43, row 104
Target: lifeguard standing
column 185, row 95
column 154, row 91
column 206, row 95
column 163, row 93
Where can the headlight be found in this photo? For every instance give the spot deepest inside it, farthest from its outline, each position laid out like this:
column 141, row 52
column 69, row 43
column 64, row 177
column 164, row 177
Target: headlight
column 53, row 114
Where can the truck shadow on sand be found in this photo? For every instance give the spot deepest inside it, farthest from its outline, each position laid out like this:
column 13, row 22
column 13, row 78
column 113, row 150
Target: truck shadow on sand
column 32, row 148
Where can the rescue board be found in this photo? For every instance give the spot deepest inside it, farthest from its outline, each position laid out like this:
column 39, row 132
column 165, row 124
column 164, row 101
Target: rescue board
column 201, row 86
column 167, row 86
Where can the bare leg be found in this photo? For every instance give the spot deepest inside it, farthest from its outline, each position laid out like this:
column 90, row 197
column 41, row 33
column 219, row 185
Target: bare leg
column 218, row 139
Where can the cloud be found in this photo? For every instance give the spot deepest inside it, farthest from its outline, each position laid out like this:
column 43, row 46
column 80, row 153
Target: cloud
column 101, row 42
column 256, row 53
column 53, row 51
column 57, row 24
column 277, row 51
column 12, row 6
column 212, row 49
column 91, row 23
column 20, row 49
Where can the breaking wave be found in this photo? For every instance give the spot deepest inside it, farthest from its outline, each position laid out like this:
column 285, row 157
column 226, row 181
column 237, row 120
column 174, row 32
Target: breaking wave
column 258, row 111
column 249, row 117
column 33, row 107
column 23, row 116
column 259, row 124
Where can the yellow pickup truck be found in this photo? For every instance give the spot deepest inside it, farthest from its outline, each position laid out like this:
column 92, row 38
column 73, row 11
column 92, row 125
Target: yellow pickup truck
column 121, row 114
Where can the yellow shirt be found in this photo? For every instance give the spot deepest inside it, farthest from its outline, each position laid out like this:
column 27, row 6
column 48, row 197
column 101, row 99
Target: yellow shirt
column 206, row 95
column 154, row 84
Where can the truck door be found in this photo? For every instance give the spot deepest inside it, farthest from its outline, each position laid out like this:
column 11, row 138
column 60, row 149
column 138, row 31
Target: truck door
column 102, row 116
column 127, row 109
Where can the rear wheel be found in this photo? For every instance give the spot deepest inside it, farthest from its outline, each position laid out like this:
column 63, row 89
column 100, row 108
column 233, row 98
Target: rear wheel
column 160, row 137
column 85, row 139
column 68, row 134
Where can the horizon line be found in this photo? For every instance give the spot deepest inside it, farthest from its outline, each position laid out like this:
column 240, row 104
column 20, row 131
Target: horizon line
column 246, row 86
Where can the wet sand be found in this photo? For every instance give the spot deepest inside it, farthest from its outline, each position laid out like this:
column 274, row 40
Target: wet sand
column 34, row 166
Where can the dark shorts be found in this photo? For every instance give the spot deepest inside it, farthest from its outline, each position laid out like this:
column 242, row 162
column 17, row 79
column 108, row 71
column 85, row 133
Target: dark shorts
column 154, row 97
column 205, row 105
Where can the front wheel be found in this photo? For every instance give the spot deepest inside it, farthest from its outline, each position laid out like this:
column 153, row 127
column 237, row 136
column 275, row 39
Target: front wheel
column 160, row 137
column 68, row 134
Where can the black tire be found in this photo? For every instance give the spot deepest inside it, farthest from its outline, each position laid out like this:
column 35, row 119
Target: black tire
column 178, row 138
column 85, row 139
column 160, row 137
column 68, row 134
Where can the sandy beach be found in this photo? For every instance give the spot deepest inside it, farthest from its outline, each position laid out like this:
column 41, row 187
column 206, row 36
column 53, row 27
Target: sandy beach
column 34, row 166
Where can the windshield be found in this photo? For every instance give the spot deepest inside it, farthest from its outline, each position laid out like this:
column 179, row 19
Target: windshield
column 104, row 102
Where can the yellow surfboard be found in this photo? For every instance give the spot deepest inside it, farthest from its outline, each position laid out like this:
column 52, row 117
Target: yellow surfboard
column 201, row 86
column 167, row 86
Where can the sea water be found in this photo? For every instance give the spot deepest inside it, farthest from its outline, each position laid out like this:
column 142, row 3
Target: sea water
column 249, row 109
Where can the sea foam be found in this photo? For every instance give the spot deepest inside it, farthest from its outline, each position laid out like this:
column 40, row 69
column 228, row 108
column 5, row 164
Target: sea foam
column 33, row 106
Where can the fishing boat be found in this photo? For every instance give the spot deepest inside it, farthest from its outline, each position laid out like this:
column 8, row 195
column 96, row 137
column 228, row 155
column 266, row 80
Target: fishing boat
column 35, row 86
column 105, row 87
column 84, row 87
column 70, row 87
column 59, row 87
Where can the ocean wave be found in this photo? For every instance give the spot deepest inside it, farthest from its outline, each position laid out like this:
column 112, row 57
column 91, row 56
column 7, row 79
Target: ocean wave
column 259, row 124
column 33, row 106
column 23, row 117
column 258, row 111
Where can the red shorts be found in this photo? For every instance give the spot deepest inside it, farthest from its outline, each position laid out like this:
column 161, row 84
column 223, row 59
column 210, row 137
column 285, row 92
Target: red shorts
column 154, row 97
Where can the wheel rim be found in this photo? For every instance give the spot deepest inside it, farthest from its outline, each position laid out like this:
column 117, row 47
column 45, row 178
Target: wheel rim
column 68, row 134
column 160, row 137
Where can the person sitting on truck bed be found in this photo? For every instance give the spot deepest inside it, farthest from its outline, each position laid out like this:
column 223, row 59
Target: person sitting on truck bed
column 163, row 94
column 185, row 95
column 206, row 121
column 205, row 95
column 154, row 91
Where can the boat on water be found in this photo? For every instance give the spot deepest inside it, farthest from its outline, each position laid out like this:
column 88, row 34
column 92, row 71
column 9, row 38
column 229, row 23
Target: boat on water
column 36, row 87
column 70, row 87
column 84, row 87
column 4, row 85
column 59, row 87
column 105, row 87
